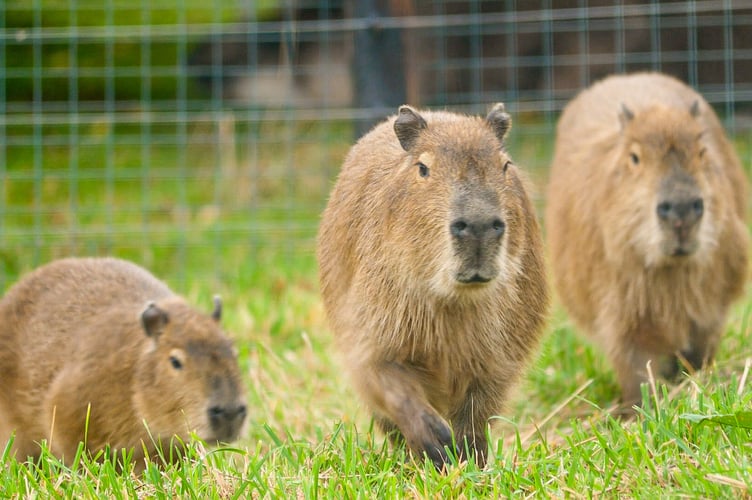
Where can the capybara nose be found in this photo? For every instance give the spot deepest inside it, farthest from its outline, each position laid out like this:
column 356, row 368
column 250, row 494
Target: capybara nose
column 681, row 213
column 464, row 229
column 226, row 421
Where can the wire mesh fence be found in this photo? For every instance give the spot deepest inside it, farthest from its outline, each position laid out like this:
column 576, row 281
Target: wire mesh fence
column 194, row 134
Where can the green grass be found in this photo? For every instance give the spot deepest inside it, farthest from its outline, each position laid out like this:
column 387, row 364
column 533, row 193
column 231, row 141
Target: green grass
column 307, row 434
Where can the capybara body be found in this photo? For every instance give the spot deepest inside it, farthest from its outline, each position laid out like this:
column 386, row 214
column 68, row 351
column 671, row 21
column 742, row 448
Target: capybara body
column 645, row 224
column 97, row 350
column 432, row 276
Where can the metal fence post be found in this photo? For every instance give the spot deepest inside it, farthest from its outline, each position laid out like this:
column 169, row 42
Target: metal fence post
column 378, row 66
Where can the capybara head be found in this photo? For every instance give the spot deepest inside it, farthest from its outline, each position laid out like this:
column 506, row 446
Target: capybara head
column 454, row 199
column 666, row 203
column 188, row 373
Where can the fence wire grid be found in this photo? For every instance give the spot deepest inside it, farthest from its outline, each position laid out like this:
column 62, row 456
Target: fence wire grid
column 188, row 134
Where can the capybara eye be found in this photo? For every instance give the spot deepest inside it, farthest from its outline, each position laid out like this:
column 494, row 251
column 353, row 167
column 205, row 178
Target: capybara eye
column 499, row 227
column 506, row 165
column 423, row 170
column 635, row 159
column 698, row 206
column 175, row 362
column 664, row 210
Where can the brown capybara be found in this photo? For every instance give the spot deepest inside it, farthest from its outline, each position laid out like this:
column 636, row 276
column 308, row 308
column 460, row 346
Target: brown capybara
column 97, row 350
column 645, row 221
column 432, row 276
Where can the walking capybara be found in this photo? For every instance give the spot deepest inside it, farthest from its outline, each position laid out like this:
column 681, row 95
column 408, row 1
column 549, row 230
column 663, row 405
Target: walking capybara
column 645, row 221
column 432, row 276
column 97, row 350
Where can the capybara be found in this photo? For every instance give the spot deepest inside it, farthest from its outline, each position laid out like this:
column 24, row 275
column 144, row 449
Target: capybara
column 432, row 276
column 97, row 350
column 645, row 221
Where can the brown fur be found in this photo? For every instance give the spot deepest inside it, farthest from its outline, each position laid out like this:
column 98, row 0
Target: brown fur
column 76, row 336
column 425, row 350
column 611, row 255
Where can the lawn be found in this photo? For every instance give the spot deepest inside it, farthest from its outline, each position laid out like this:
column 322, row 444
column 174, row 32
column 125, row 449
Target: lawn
column 243, row 224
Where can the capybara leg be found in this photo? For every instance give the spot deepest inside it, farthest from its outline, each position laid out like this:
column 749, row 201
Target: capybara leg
column 704, row 342
column 23, row 447
column 390, row 429
column 12, row 424
column 470, row 425
column 631, row 366
column 395, row 391
column 63, row 422
column 473, row 445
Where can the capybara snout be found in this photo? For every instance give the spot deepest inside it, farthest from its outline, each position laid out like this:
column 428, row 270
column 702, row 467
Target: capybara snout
column 227, row 410
column 476, row 237
column 679, row 209
column 226, row 421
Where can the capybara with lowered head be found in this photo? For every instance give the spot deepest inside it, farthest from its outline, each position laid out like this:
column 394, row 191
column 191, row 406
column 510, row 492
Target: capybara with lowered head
column 432, row 276
column 97, row 350
column 645, row 221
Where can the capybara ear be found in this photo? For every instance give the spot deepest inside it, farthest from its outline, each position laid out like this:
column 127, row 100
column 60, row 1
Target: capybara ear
column 625, row 116
column 408, row 126
column 694, row 110
column 217, row 313
column 499, row 120
column 153, row 319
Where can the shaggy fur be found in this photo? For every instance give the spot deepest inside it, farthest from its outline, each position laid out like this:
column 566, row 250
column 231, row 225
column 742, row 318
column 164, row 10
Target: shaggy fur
column 434, row 325
column 645, row 290
column 77, row 338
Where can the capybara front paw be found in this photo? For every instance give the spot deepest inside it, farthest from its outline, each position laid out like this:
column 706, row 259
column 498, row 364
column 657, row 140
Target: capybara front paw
column 439, row 443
